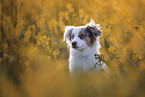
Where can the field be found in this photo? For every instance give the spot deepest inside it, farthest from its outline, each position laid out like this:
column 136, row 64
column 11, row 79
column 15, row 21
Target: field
column 34, row 57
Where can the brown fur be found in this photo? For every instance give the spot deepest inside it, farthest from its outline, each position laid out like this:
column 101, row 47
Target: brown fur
column 88, row 41
column 89, row 37
column 70, row 34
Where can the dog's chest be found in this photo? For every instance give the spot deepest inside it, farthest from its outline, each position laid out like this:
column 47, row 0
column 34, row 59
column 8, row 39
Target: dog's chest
column 85, row 62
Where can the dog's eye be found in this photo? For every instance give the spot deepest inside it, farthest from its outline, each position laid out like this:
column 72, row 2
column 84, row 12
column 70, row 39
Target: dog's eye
column 81, row 36
column 72, row 36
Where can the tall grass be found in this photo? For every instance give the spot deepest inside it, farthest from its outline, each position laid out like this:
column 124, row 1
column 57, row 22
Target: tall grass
column 34, row 57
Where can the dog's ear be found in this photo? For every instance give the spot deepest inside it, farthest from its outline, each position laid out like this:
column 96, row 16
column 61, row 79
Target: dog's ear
column 94, row 30
column 67, row 33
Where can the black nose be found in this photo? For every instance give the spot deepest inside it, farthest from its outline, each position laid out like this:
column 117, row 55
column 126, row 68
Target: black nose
column 74, row 43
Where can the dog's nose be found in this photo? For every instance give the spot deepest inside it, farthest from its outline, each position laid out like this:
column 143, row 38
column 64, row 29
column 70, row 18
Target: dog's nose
column 74, row 43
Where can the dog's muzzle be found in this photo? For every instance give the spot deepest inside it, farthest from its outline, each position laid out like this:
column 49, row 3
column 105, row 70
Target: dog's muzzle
column 74, row 44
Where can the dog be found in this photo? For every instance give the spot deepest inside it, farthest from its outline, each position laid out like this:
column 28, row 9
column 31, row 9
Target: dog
column 84, row 45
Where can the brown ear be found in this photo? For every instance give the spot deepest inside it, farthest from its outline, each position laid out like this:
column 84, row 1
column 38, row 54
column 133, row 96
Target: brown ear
column 94, row 30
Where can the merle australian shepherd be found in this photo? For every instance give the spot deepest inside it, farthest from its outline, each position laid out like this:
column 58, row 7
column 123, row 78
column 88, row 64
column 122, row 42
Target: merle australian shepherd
column 84, row 45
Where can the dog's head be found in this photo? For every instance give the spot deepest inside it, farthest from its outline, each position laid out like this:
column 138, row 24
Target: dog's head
column 81, row 36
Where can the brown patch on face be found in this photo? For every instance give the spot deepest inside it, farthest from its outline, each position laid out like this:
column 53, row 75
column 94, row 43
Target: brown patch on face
column 82, row 35
column 88, row 41
column 88, row 36
column 70, row 34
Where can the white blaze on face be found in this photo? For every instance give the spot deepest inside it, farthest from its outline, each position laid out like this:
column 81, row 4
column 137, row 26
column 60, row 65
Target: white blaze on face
column 80, row 43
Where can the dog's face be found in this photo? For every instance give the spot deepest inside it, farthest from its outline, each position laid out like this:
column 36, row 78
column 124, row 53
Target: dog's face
column 80, row 37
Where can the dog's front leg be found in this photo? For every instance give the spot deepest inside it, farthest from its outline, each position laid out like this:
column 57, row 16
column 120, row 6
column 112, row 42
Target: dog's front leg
column 72, row 65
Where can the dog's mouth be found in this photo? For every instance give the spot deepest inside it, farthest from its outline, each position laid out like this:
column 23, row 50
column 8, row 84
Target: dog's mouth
column 77, row 48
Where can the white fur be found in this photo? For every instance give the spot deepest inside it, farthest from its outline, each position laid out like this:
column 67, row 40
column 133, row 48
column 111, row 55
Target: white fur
column 83, row 56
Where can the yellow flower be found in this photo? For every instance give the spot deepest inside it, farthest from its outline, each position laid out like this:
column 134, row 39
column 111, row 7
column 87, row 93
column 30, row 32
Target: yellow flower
column 69, row 7
column 111, row 49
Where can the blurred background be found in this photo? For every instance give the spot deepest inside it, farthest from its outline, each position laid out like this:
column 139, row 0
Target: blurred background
column 34, row 57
